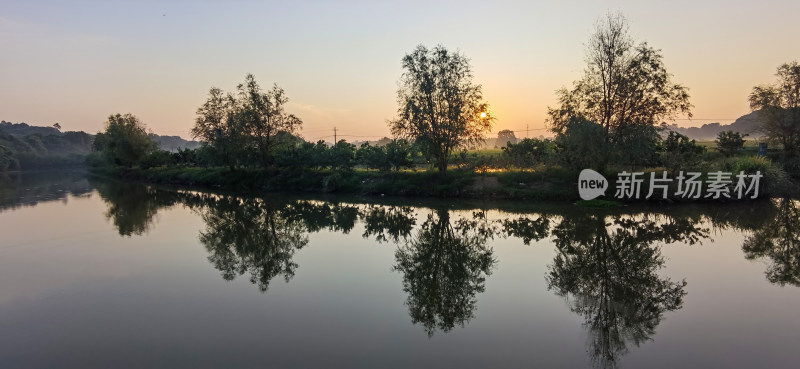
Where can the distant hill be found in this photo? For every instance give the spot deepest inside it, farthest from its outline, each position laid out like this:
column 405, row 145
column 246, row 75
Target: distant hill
column 173, row 143
column 26, row 146
column 169, row 143
column 23, row 129
column 746, row 124
column 41, row 148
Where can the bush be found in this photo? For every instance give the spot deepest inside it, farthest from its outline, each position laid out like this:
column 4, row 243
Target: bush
column 729, row 142
column 373, row 157
column 399, row 154
column 680, row 152
column 158, row 158
column 583, row 145
column 636, row 145
column 529, row 152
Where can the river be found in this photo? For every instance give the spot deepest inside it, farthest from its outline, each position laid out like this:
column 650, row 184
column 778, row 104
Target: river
column 99, row 274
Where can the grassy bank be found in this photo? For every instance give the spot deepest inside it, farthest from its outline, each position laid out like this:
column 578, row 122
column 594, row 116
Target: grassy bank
column 548, row 184
column 542, row 182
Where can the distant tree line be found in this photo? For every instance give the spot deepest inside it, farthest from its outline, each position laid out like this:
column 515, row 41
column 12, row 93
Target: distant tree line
column 31, row 147
column 613, row 116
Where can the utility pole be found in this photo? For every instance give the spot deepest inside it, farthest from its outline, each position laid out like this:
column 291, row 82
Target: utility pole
column 526, row 131
column 334, row 136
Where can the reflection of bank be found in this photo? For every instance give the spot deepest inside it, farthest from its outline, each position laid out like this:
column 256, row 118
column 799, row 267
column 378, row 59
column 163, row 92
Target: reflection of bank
column 608, row 273
column 444, row 267
column 778, row 241
column 246, row 236
column 606, row 266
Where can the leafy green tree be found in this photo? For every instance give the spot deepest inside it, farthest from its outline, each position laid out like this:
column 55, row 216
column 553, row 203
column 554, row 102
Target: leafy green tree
column 681, row 152
column 373, row 157
column 250, row 120
column 218, row 125
column 342, row 155
column 125, row 140
column 505, row 137
column 729, row 142
column 383, row 141
column 439, row 105
column 779, row 106
column 636, row 145
column 581, row 145
column 624, row 83
column 158, row 158
column 529, row 152
column 264, row 117
column 7, row 159
column 399, row 153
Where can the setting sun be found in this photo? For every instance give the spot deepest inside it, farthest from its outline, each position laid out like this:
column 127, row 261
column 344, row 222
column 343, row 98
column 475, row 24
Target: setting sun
column 483, row 114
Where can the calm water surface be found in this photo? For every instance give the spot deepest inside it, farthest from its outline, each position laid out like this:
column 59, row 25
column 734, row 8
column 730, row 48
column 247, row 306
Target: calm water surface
column 100, row 274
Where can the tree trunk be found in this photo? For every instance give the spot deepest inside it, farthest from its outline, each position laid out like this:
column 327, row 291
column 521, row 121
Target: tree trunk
column 442, row 167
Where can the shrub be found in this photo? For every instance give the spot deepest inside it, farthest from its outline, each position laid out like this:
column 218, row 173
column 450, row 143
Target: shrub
column 529, row 152
column 680, row 152
column 582, row 145
column 729, row 142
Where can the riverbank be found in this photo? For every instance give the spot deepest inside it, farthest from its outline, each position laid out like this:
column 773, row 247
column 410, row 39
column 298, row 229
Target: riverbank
column 554, row 184
column 544, row 184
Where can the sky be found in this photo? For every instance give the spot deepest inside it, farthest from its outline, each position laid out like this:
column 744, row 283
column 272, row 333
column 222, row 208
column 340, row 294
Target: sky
column 339, row 62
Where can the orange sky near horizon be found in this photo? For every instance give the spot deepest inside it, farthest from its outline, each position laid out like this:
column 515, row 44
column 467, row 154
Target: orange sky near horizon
column 339, row 62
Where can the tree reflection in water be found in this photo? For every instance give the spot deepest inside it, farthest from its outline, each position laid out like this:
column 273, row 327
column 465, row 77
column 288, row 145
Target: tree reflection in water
column 779, row 241
column 608, row 273
column 393, row 221
column 132, row 207
column 606, row 265
column 444, row 267
column 251, row 236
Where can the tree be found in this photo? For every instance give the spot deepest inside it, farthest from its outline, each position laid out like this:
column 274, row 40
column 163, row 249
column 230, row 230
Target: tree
column 680, row 152
column 439, row 106
column 217, row 125
column 636, row 144
column 529, row 152
column 373, row 157
column 398, row 154
column 779, row 106
column 581, row 145
column 505, row 137
column 264, row 116
column 250, row 119
column 623, row 83
column 729, row 142
column 57, row 126
column 342, row 155
column 125, row 140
